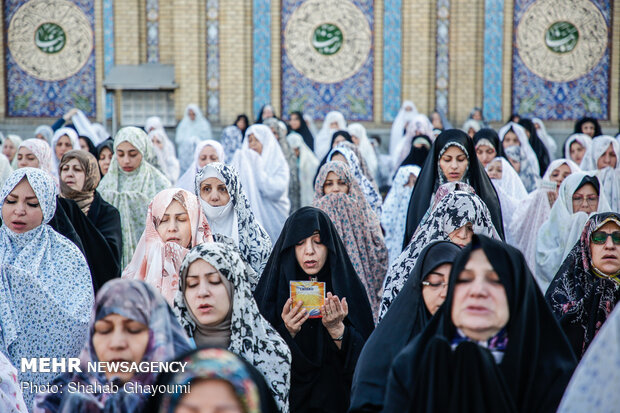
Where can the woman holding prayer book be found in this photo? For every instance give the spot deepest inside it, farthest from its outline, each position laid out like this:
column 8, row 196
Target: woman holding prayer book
column 324, row 350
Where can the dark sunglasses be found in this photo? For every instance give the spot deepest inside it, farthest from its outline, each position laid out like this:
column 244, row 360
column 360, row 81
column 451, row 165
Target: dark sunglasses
column 600, row 237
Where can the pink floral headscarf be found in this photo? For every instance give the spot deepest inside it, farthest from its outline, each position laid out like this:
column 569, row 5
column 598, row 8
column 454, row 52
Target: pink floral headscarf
column 157, row 262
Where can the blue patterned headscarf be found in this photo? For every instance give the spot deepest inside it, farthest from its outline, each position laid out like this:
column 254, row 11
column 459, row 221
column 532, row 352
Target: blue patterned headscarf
column 46, row 292
column 139, row 302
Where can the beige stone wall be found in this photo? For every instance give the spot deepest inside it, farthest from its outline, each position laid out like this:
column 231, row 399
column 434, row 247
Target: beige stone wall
column 418, row 54
column 128, row 48
column 235, row 59
column 507, row 59
column 466, row 58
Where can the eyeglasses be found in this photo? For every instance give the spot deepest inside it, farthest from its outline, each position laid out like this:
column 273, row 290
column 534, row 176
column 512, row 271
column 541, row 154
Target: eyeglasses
column 434, row 285
column 590, row 199
column 600, row 237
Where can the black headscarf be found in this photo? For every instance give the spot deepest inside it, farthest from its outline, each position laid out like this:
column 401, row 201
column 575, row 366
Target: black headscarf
column 417, row 156
column 592, row 180
column 321, row 373
column 537, row 363
column 91, row 146
column 597, row 127
column 247, row 123
column 580, row 298
column 303, row 130
column 109, row 144
column 491, row 136
column 428, row 180
column 273, row 288
column 347, row 137
column 537, row 145
column 405, row 319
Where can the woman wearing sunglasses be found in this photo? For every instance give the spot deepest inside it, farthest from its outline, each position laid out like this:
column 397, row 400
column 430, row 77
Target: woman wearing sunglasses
column 580, row 196
column 587, row 287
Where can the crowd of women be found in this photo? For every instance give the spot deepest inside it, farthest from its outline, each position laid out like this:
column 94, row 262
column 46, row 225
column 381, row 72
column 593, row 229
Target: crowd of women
column 464, row 270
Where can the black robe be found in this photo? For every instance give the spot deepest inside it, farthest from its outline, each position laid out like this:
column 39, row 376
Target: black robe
column 405, row 319
column 102, row 251
column 428, row 182
column 321, row 374
column 430, row 376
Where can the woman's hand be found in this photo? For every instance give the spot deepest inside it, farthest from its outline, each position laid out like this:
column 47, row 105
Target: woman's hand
column 552, row 196
column 70, row 114
column 333, row 312
column 294, row 316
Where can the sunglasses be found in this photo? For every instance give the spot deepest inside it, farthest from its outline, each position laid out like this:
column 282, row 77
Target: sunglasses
column 600, row 237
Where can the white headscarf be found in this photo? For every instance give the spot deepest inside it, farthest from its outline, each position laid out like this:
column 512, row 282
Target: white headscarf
column 394, row 213
column 403, row 117
column 308, row 165
column 73, row 137
column 154, row 122
column 526, row 149
column 609, row 177
column 166, row 156
column 366, row 149
column 511, row 193
column 581, row 138
column 102, row 133
column 46, row 131
column 547, row 139
column 419, row 125
column 562, row 230
column 531, row 214
column 265, row 178
column 189, row 133
column 187, row 180
column 5, row 168
column 471, row 124
column 323, row 139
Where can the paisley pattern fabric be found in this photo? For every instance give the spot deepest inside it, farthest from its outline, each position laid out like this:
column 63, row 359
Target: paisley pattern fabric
column 46, row 293
column 358, row 227
column 131, row 192
column 394, row 215
column 455, row 210
column 167, row 340
column 254, row 242
column 252, row 337
column 580, row 296
column 157, row 262
column 373, row 197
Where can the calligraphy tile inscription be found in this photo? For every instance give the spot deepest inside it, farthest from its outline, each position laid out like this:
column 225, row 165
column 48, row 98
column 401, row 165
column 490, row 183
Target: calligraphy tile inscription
column 562, row 40
column 328, row 41
column 50, row 39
